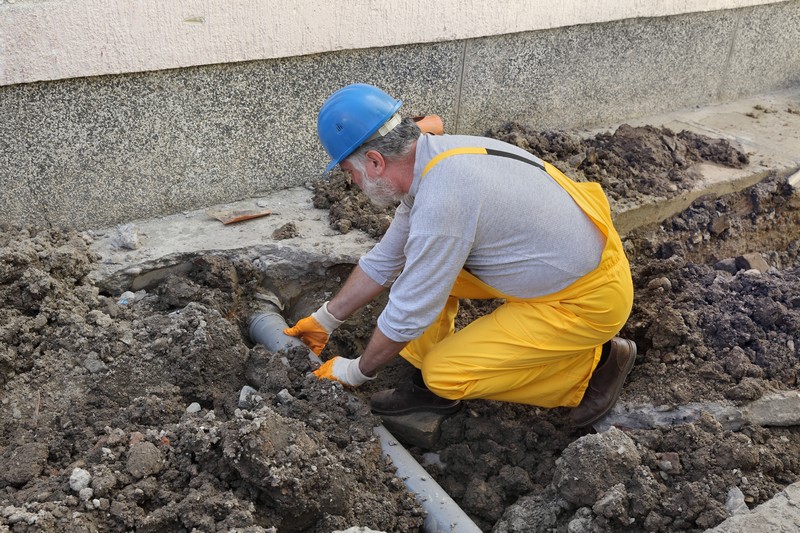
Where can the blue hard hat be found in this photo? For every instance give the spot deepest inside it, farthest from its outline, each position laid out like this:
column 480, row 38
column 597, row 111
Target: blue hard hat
column 350, row 116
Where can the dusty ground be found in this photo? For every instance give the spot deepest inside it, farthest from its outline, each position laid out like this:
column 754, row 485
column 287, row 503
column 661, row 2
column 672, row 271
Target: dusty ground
column 121, row 414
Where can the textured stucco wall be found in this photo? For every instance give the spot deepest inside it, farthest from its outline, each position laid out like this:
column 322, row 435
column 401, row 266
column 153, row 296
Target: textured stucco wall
column 102, row 150
column 57, row 39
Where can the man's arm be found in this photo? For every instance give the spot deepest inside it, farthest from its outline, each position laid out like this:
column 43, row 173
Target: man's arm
column 358, row 290
column 380, row 350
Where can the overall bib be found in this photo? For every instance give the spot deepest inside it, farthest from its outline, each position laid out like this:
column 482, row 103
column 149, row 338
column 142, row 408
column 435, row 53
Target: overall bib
column 538, row 351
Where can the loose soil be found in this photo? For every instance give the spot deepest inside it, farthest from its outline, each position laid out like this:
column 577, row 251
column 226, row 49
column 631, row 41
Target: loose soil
column 121, row 412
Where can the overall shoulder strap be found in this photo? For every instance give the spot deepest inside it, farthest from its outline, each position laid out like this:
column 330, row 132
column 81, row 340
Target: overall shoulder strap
column 476, row 150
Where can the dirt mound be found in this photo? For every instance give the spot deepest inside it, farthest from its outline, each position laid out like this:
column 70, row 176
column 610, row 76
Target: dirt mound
column 121, row 414
column 631, row 162
column 348, row 207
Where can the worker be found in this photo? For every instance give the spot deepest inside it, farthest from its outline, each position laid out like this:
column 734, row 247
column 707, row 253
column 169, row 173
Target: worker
column 479, row 219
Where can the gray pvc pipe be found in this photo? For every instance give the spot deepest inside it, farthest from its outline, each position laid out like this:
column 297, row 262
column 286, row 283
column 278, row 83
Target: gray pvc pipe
column 267, row 328
column 443, row 513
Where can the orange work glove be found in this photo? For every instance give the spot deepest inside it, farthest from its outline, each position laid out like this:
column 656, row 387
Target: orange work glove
column 345, row 371
column 315, row 330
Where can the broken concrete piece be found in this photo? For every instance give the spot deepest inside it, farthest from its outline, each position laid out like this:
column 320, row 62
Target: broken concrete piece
column 776, row 409
column 781, row 513
column 415, row 429
column 649, row 416
column 794, row 181
column 752, row 261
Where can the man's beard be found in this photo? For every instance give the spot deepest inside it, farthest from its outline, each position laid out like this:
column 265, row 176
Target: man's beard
column 380, row 191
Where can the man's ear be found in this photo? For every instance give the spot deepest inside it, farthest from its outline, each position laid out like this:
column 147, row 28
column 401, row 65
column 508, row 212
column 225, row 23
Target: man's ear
column 375, row 160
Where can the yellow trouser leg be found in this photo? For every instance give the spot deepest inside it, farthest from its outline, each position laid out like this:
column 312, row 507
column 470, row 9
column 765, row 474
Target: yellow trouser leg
column 442, row 327
column 540, row 351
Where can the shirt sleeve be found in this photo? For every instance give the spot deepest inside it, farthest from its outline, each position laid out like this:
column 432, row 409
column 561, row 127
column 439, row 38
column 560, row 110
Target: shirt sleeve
column 440, row 237
column 386, row 259
column 420, row 292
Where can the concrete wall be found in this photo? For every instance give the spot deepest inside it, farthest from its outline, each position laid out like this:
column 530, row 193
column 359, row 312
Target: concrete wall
column 96, row 151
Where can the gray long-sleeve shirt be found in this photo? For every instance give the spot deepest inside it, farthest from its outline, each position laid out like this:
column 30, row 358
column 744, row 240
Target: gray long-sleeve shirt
column 509, row 223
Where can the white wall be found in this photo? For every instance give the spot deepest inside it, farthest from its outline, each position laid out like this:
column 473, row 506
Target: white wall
column 57, row 39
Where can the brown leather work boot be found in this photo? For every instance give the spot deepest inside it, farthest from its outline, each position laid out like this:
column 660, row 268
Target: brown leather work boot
column 411, row 397
column 605, row 383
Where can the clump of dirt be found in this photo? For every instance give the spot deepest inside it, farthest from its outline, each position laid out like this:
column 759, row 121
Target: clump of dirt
column 287, row 231
column 123, row 416
column 348, row 207
column 632, row 162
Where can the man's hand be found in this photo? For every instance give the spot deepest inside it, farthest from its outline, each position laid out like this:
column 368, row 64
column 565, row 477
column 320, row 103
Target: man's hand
column 345, row 371
column 315, row 330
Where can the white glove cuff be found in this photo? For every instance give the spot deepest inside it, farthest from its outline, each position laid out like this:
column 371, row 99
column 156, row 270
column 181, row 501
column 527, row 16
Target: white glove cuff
column 325, row 319
column 354, row 374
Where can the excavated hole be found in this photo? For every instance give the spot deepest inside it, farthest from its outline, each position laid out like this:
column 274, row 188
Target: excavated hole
column 90, row 384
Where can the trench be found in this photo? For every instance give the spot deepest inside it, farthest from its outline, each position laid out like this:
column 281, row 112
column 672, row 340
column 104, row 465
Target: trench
column 709, row 230
column 125, row 409
column 727, row 259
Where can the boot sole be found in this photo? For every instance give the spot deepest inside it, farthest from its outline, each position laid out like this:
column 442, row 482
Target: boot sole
column 626, row 371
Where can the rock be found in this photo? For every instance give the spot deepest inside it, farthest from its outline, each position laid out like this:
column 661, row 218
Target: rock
column 144, row 459
column 582, row 521
column 126, row 237
column 103, row 480
column 753, row 261
column 735, row 502
column 249, row 398
column 719, row 225
column 591, row 465
column 416, row 429
column 79, row 479
column 726, row 265
column 613, row 504
column 794, row 181
column 670, row 462
column 660, row 283
column 284, row 397
column 94, row 364
column 530, row 514
column 776, row 409
column 287, row 231
column 194, row 407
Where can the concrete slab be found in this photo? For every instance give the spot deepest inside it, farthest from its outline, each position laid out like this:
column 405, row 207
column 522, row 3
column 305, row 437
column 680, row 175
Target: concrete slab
column 167, row 243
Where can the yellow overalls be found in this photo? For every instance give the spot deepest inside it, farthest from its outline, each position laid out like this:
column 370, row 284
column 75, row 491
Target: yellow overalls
column 537, row 351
